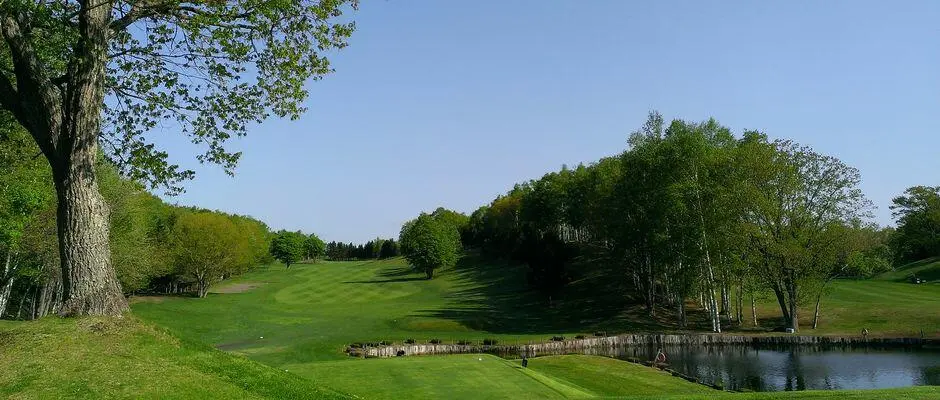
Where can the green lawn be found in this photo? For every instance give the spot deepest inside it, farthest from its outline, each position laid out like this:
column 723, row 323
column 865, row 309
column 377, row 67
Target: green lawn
column 486, row 376
column 928, row 269
column 125, row 358
column 301, row 319
column 886, row 308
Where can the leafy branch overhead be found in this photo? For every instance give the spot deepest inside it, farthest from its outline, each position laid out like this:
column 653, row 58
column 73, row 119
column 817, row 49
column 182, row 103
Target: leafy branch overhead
column 206, row 68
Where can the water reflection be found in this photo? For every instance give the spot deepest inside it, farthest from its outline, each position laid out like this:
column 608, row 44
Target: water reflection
column 795, row 368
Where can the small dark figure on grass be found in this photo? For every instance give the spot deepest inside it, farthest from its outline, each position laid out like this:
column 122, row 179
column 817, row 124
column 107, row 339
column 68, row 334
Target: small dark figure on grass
column 660, row 357
column 525, row 362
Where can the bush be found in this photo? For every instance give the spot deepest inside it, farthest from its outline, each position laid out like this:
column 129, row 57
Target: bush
column 464, row 342
column 409, row 341
column 385, row 343
column 434, row 341
column 579, row 337
column 356, row 345
column 490, row 342
column 600, row 333
column 372, row 344
column 558, row 338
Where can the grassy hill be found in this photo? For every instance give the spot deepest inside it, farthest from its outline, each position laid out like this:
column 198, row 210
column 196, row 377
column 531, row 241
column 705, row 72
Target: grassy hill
column 928, row 269
column 125, row 358
column 301, row 319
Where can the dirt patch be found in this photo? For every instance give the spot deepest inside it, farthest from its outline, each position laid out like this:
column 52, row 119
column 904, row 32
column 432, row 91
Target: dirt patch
column 147, row 299
column 234, row 345
column 237, row 288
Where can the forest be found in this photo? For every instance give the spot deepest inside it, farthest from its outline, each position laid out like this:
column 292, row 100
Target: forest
column 691, row 213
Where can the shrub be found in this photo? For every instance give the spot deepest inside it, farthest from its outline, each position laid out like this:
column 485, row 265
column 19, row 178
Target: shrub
column 356, row 345
column 385, row 343
column 558, row 338
column 409, row 341
column 579, row 337
column 490, row 342
column 600, row 333
column 435, row 341
column 464, row 342
column 372, row 344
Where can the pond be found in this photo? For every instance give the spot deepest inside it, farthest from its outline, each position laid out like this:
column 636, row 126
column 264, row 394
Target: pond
column 794, row 367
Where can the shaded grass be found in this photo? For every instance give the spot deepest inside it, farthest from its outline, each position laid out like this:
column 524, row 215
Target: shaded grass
column 125, row 358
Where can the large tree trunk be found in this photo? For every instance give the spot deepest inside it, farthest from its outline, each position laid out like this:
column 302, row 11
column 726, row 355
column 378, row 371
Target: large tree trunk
column 90, row 285
column 89, row 281
column 794, row 319
column 64, row 119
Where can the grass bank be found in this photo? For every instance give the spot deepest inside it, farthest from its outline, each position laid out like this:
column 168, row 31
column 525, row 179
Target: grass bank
column 124, row 358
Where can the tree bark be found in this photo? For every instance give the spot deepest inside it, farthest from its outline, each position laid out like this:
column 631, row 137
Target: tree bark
column 8, row 283
column 90, row 285
column 794, row 319
column 782, row 301
column 682, row 318
column 754, row 309
column 19, row 311
column 816, row 313
column 5, row 296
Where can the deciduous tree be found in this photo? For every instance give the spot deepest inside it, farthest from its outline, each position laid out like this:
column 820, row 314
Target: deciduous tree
column 431, row 244
column 211, row 67
column 206, row 248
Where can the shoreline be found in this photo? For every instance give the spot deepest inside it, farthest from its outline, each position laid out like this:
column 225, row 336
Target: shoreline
column 578, row 346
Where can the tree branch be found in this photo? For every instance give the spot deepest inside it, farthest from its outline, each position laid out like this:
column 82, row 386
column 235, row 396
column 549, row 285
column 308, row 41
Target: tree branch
column 34, row 90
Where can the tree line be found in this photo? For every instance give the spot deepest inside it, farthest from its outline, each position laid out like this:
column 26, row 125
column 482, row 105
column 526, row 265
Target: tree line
column 155, row 246
column 694, row 214
column 292, row 247
column 377, row 248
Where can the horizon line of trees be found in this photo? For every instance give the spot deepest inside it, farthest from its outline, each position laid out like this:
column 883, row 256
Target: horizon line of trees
column 292, row 247
column 375, row 249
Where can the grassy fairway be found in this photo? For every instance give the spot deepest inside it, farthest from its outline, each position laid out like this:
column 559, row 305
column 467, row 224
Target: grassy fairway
column 301, row 319
column 486, row 376
column 106, row 358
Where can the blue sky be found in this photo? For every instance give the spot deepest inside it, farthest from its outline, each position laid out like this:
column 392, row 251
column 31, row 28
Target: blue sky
column 449, row 103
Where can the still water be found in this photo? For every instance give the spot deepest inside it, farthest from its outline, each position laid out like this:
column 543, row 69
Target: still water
column 796, row 367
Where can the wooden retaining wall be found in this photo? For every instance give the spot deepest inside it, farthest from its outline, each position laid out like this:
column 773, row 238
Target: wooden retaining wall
column 595, row 343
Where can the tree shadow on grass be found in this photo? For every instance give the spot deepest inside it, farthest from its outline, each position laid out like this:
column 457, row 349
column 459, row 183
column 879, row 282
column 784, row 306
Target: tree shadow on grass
column 397, row 272
column 409, row 279
column 495, row 297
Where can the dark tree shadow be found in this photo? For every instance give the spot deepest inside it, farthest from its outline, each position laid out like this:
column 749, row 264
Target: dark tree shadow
column 494, row 296
column 409, row 279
